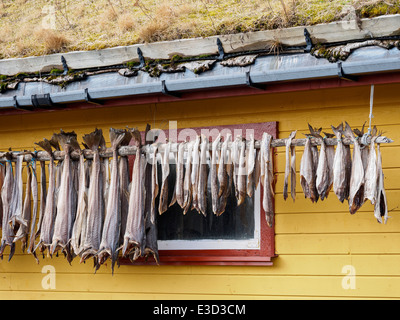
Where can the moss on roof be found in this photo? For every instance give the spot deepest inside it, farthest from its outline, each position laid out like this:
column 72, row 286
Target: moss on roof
column 39, row 27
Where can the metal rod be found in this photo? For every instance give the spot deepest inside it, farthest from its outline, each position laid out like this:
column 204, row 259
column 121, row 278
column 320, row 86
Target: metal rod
column 131, row 150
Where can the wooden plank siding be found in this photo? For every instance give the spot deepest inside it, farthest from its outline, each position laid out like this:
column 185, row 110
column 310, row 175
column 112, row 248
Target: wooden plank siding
column 313, row 241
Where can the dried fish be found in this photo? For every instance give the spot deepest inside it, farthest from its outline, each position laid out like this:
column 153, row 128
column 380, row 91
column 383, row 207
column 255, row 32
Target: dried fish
column 223, row 166
column 43, row 193
column 35, row 197
column 330, row 156
column 322, row 174
column 134, row 238
column 215, row 188
column 250, row 164
column 112, row 223
column 187, row 184
column 381, row 209
column 163, row 204
column 80, row 224
column 124, row 179
column 267, row 178
column 307, row 172
column 179, row 190
column 95, row 205
column 235, row 151
column 66, row 208
column 241, row 180
column 203, row 176
column 49, row 214
column 195, row 173
column 154, row 185
column 341, row 167
column 150, row 193
column 16, row 205
column 371, row 173
column 225, row 175
column 22, row 233
column 290, row 167
column 7, row 236
column 2, row 177
column 356, row 194
column 364, row 151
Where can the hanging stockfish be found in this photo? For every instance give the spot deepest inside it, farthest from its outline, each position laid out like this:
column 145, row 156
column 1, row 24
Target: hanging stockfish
column 154, row 184
column 241, row 178
column 79, row 228
column 380, row 209
column 235, row 151
column 7, row 235
column 22, row 233
column 42, row 207
column 187, row 184
column 356, row 193
column 250, row 165
column 371, row 172
column 16, row 205
column 134, row 239
column 47, row 225
column 267, row 177
column 124, row 180
column 290, row 168
column 330, row 156
column 180, row 173
column 225, row 175
column 151, row 190
column 215, row 156
column 163, row 203
column 95, row 205
column 322, row 173
column 307, row 172
column 224, row 166
column 341, row 166
column 195, row 173
column 35, row 197
column 364, row 150
column 2, row 177
column 66, row 207
column 203, row 176
column 112, row 223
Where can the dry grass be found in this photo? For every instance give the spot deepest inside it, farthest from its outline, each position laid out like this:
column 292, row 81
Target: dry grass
column 41, row 27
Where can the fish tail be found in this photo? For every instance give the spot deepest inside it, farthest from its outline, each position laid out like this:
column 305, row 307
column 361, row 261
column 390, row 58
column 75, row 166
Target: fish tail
column 68, row 139
column 93, row 139
column 348, row 132
column 338, row 130
column 12, row 251
column 45, row 145
column 117, row 136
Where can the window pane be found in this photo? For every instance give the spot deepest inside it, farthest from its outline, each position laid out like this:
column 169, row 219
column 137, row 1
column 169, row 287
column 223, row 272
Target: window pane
column 236, row 223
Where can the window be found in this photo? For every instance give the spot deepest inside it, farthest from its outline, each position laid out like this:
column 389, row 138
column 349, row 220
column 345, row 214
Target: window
column 240, row 236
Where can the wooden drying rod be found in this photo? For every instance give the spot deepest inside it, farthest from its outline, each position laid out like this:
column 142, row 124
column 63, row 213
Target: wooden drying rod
column 131, row 150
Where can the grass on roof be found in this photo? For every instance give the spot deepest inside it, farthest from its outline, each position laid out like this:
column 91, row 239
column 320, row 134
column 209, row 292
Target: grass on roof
column 39, row 27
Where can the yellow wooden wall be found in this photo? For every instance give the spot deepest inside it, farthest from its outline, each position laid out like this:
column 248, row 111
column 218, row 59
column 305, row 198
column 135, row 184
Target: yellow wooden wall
column 314, row 241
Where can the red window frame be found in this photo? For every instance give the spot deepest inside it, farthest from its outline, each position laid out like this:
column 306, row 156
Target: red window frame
column 252, row 257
